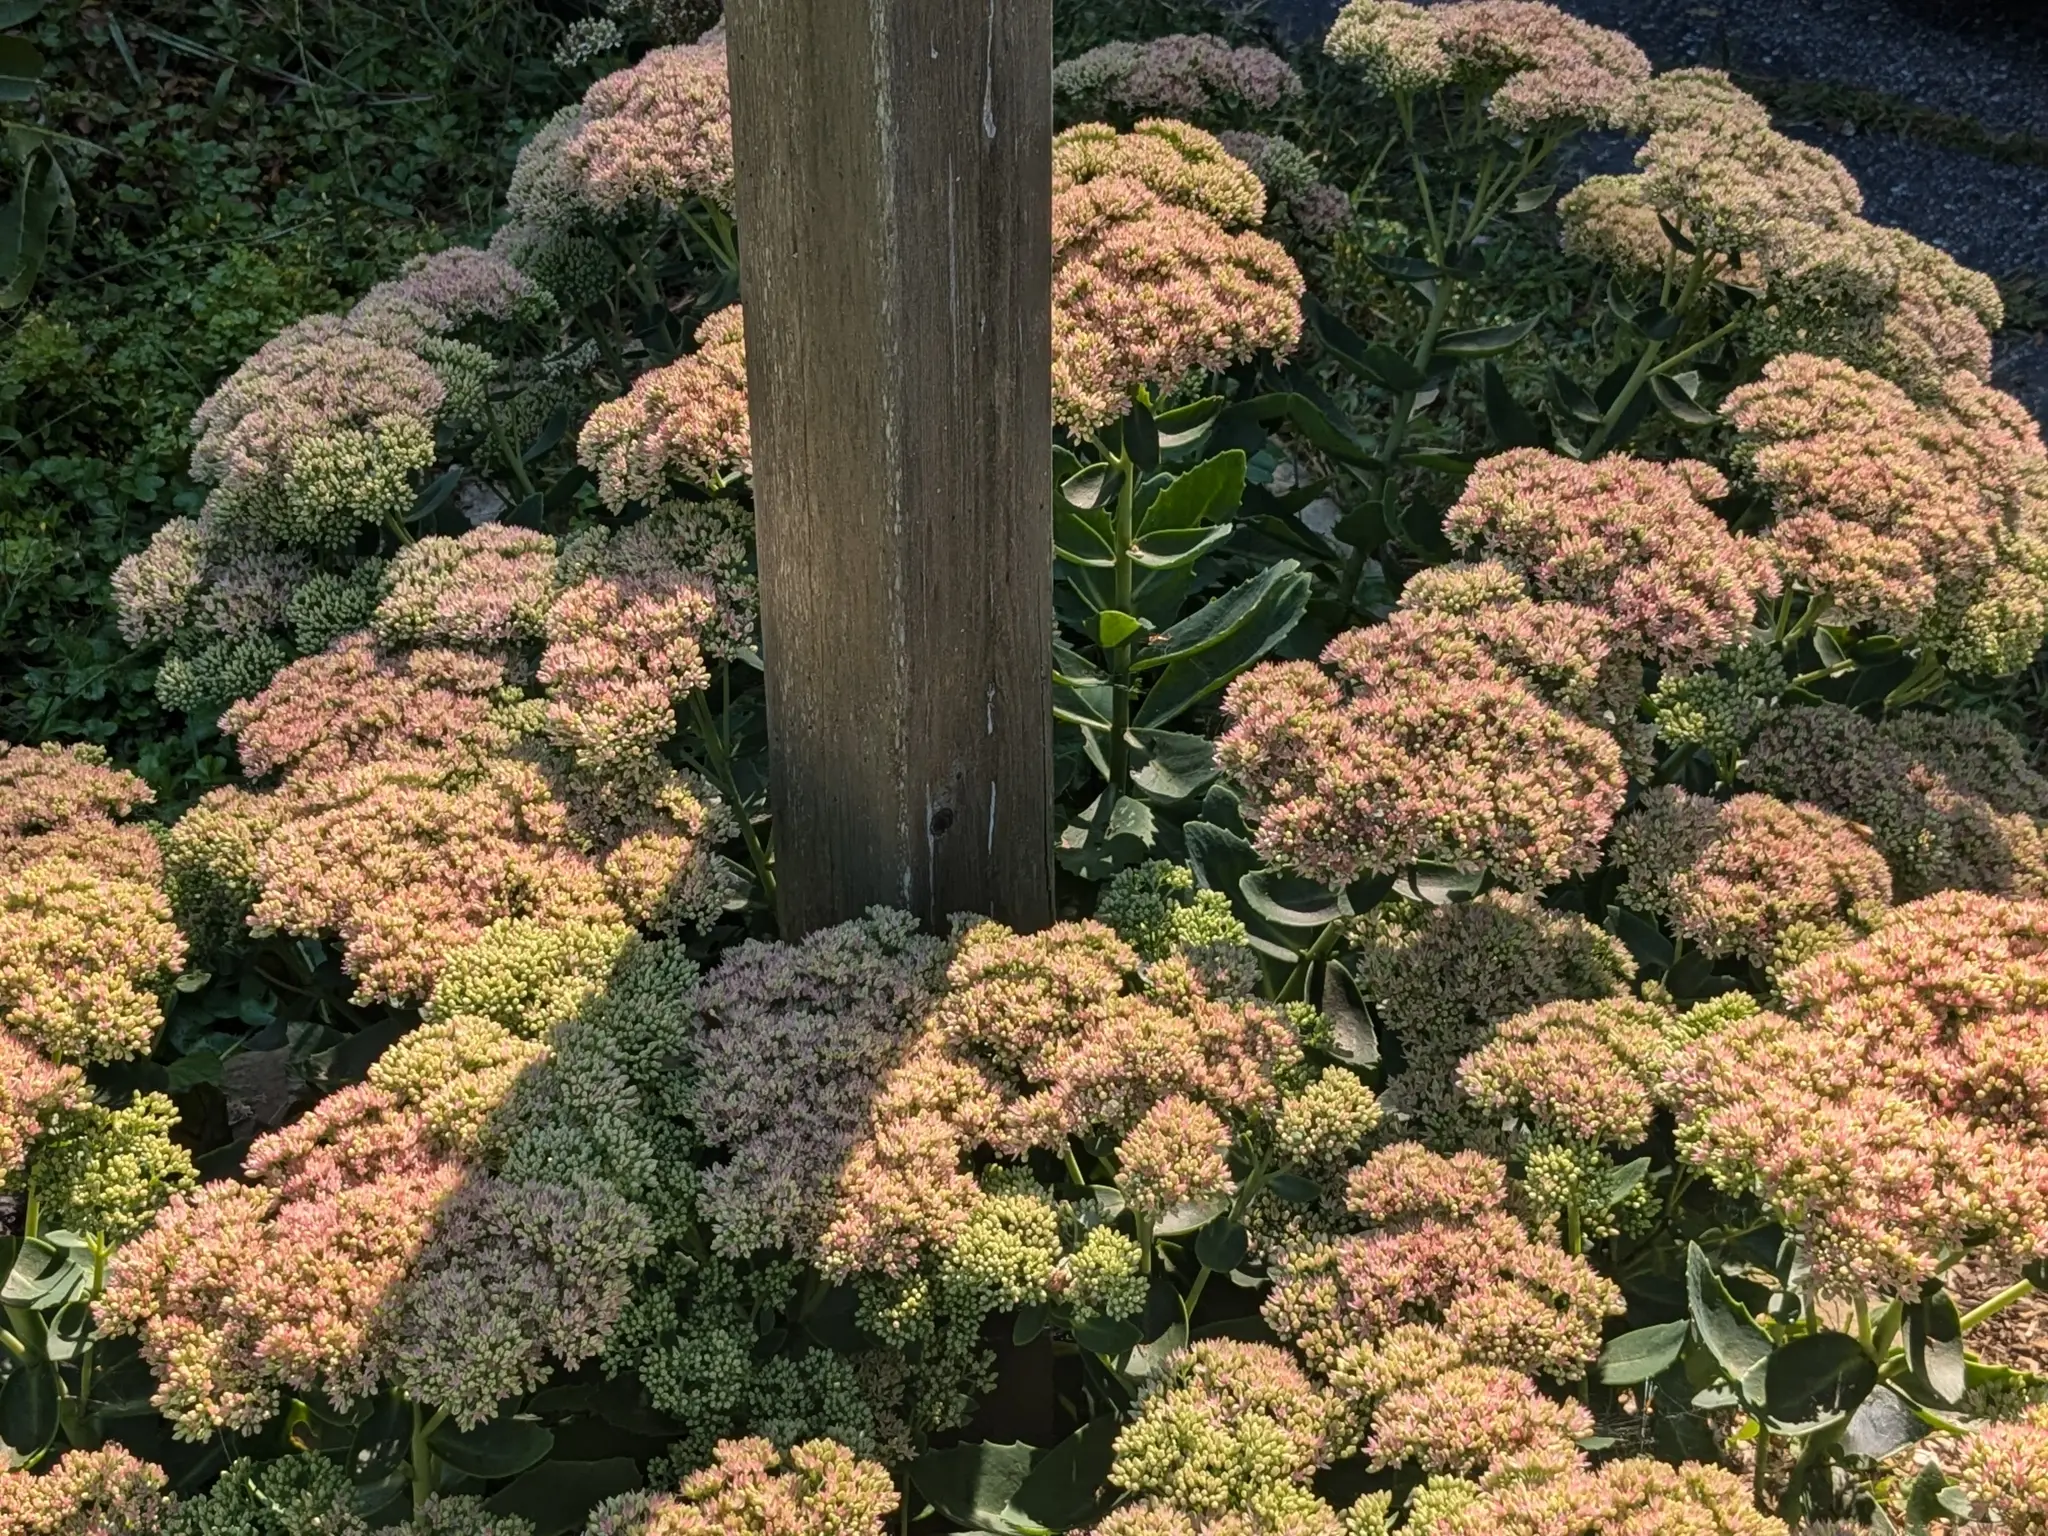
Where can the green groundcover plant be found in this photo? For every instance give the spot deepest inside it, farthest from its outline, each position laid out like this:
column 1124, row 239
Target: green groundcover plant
column 1548, row 1027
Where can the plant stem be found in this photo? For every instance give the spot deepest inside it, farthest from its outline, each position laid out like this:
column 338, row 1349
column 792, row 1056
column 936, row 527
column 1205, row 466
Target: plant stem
column 423, row 1463
column 721, row 767
column 1758, row 1481
column 2019, row 1290
column 1254, row 1182
column 505, row 449
column 1120, row 653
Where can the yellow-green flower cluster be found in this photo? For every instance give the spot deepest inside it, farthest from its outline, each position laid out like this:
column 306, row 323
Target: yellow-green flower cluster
column 107, row 1171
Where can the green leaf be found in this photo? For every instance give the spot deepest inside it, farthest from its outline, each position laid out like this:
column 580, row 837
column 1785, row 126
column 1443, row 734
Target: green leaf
column 1730, row 1333
column 1028, row 1324
column 972, row 1484
column 1098, row 1335
column 1923, row 1500
column 1646, row 1352
column 1141, row 436
column 1508, row 423
column 1882, row 1426
column 1096, row 486
column 1486, row 341
column 1617, row 1184
column 1442, row 463
column 194, row 1068
column 1190, row 1216
column 1077, row 540
column 495, row 1448
column 1816, row 1379
column 1065, row 1488
column 1572, row 397
column 25, row 222
column 21, row 66
column 1678, row 404
column 550, row 434
column 1113, row 628
column 1222, row 1246
column 1529, row 199
column 45, row 1275
column 1186, row 425
column 1295, row 1189
column 1193, row 678
column 1408, row 269
column 1441, row 885
column 1676, row 236
column 1174, row 549
column 1215, row 621
column 1218, row 856
column 1352, row 1037
column 28, row 1408
column 1176, row 765
column 1199, row 496
column 1934, row 1344
column 1289, row 900
column 557, row 1498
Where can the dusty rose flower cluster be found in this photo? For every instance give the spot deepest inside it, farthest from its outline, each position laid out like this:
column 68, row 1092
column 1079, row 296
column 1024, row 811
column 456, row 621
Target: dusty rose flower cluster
column 1351, row 770
column 1586, row 1071
column 817, row 1488
column 1630, row 539
column 1930, row 520
column 1034, row 1039
column 489, row 588
column 688, row 419
column 440, row 294
column 2003, row 1470
column 1177, row 1154
column 1620, row 1498
column 87, row 946
column 1540, row 68
column 655, row 135
column 1447, row 1254
column 1182, row 75
column 1950, row 799
column 1296, row 198
column 410, row 813
column 85, row 1493
column 1150, row 284
column 1755, row 876
column 1893, row 1113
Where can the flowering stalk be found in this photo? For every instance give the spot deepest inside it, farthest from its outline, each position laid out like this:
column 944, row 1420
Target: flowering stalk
column 1120, row 654
column 425, row 1465
column 719, row 754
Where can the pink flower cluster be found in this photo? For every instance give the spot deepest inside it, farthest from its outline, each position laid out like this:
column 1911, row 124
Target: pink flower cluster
column 1630, row 1497
column 1177, row 1154
column 1034, row 1040
column 1354, row 772
column 1630, row 539
column 1893, row 1114
column 1188, row 76
column 817, row 1488
column 439, row 294
column 1754, row 876
column 1540, row 68
column 1150, row 285
column 489, row 588
column 655, row 135
column 409, row 815
column 1926, row 519
column 688, row 419
column 1502, row 1297
column 2002, row 1468
column 87, row 945
column 1588, row 1071
column 85, row 1493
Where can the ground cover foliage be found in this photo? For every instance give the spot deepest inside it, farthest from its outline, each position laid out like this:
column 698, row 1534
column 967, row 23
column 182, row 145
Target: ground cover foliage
column 1545, row 1029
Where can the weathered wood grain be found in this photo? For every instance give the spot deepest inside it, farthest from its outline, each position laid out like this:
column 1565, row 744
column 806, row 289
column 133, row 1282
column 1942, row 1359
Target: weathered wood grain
column 895, row 178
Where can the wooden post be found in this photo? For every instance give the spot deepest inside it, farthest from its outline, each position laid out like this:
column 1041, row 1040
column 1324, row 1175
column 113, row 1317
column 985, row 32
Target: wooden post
column 895, row 190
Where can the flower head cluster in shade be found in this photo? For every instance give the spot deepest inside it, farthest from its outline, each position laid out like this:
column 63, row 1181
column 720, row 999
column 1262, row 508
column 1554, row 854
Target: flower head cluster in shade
column 1756, row 877
column 1586, row 1071
column 1444, row 1253
column 1950, row 799
column 1714, row 170
column 1631, row 540
column 1540, row 68
column 1155, row 908
column 1352, row 770
column 87, row 945
column 1150, row 283
column 490, row 588
column 306, row 1495
column 1619, row 1498
column 1195, row 77
column 321, row 435
column 1443, row 981
column 372, row 1242
column 1930, row 520
column 85, row 1493
column 817, row 1488
column 1297, row 198
column 687, row 420
column 1892, row 1113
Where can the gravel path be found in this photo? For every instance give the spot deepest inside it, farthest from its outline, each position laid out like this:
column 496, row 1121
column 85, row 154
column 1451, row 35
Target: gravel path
column 1990, row 215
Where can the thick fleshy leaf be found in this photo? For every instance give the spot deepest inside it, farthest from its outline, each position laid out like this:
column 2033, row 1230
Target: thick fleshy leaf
column 496, row 1448
column 1486, row 341
column 1883, row 1425
column 1816, row 1379
column 1204, row 494
column 557, row 1497
column 1215, row 621
column 1639, row 1355
column 1934, row 1344
column 1730, row 1334
column 1192, row 678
